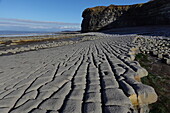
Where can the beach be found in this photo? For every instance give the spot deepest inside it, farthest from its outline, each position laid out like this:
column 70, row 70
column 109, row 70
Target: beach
column 78, row 76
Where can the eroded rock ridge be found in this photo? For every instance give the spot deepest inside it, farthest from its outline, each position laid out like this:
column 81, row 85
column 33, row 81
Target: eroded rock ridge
column 98, row 76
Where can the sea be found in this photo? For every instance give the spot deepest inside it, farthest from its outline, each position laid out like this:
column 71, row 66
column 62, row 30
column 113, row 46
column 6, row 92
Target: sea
column 25, row 33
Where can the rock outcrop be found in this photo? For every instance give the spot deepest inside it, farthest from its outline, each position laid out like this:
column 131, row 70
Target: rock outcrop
column 155, row 46
column 155, row 12
column 96, row 76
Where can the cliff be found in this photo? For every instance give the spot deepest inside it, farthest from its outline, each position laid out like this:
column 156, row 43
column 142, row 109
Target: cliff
column 155, row 12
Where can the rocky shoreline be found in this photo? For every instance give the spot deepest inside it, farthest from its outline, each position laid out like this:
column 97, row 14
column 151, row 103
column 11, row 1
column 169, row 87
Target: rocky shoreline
column 156, row 46
column 10, row 48
column 103, row 52
column 98, row 74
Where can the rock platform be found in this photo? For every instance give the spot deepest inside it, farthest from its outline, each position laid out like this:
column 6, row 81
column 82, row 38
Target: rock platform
column 98, row 76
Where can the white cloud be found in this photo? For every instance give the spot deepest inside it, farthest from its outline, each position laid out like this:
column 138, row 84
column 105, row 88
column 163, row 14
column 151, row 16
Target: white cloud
column 6, row 23
column 36, row 22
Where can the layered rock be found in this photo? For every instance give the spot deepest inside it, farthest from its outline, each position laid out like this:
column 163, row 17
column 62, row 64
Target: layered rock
column 156, row 12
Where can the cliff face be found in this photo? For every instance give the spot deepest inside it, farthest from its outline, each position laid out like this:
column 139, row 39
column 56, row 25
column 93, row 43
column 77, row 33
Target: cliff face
column 156, row 12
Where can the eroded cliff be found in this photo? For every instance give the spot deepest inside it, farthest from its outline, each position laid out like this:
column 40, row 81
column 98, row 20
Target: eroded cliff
column 155, row 12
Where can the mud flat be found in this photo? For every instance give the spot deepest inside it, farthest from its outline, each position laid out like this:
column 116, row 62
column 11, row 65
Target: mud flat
column 92, row 76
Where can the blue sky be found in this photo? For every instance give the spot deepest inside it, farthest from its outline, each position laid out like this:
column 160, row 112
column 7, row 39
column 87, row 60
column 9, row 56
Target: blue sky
column 37, row 14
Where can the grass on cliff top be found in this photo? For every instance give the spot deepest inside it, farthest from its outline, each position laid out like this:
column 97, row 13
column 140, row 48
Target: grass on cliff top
column 116, row 7
column 151, row 3
column 159, row 80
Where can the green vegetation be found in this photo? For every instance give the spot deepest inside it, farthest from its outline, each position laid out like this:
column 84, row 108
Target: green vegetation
column 159, row 81
column 97, row 9
column 142, row 58
column 112, row 7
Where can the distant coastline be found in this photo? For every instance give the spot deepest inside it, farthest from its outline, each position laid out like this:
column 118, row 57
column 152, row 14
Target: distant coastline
column 25, row 33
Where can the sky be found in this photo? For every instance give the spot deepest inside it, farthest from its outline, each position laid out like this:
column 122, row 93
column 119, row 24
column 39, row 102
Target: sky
column 49, row 15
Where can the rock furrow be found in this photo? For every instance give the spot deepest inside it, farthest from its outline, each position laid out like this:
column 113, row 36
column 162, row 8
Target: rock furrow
column 98, row 76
